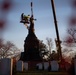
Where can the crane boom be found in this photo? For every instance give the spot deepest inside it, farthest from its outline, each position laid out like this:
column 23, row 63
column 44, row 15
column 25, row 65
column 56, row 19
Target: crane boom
column 56, row 27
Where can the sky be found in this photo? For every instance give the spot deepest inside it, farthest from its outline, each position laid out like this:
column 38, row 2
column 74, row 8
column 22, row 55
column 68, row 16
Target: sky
column 44, row 26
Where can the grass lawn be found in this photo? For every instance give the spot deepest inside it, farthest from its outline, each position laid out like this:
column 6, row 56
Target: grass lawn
column 41, row 73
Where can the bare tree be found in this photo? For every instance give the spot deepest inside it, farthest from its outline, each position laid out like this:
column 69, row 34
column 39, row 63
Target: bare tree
column 49, row 44
column 69, row 43
column 8, row 49
column 44, row 52
column 72, row 33
column 68, row 53
column 70, row 40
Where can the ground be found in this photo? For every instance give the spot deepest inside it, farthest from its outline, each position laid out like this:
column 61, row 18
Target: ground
column 41, row 73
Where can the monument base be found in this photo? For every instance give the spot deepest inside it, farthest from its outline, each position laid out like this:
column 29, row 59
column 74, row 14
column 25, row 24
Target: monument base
column 30, row 56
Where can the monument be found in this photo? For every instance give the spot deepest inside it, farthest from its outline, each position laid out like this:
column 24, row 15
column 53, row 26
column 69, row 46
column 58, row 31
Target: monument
column 31, row 42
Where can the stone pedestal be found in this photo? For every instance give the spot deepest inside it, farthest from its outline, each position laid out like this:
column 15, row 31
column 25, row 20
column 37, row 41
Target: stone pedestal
column 54, row 66
column 19, row 66
column 75, row 65
column 26, row 65
column 6, row 66
column 46, row 65
column 39, row 66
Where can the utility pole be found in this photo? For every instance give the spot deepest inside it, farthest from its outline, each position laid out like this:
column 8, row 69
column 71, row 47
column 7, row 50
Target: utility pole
column 57, row 33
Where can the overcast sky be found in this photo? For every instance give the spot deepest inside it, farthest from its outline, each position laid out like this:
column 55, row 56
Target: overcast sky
column 44, row 26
